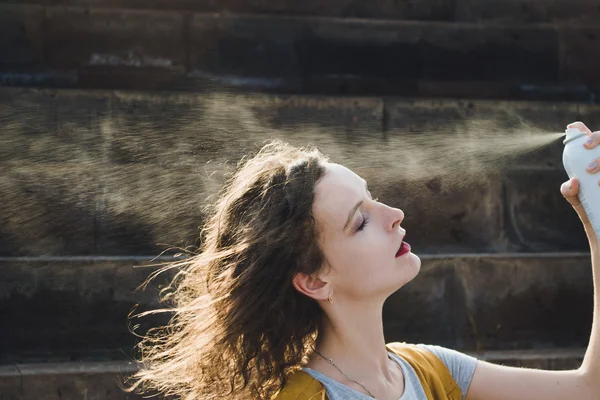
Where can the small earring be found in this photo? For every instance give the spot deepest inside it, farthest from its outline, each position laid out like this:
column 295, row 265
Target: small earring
column 329, row 298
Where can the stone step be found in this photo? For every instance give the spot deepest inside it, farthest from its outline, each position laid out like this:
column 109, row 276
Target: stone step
column 572, row 11
column 77, row 308
column 103, row 380
column 145, row 49
column 111, row 172
column 549, row 359
column 66, row 381
column 506, row 301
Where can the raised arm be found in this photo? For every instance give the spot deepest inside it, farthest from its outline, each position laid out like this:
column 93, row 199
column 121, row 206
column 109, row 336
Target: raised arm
column 495, row 382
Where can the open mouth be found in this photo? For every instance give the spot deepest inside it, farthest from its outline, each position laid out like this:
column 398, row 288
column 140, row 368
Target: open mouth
column 404, row 249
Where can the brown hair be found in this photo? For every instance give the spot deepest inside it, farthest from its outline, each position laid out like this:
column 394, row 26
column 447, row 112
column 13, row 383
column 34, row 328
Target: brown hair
column 239, row 325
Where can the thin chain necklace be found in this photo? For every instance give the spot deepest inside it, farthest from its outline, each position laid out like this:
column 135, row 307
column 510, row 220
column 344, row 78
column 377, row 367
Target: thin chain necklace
column 330, row 361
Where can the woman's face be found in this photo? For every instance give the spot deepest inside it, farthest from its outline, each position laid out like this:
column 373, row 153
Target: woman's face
column 360, row 239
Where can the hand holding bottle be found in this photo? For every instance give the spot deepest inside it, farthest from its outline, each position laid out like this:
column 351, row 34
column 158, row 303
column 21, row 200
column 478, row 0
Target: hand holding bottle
column 581, row 159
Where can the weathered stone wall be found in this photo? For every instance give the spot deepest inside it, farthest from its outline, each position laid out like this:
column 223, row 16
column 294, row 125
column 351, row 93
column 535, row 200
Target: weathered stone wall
column 101, row 174
column 94, row 181
column 424, row 10
column 124, row 173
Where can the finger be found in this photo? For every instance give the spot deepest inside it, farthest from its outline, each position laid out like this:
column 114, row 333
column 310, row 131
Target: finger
column 570, row 191
column 593, row 141
column 581, row 126
column 594, row 166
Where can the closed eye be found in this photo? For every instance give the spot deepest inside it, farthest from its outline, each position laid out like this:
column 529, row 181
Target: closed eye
column 364, row 223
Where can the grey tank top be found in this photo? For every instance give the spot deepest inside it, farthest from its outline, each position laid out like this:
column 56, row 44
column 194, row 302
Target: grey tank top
column 461, row 367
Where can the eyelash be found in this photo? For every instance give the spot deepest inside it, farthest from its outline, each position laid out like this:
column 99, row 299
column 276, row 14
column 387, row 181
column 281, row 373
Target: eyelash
column 364, row 223
column 365, row 220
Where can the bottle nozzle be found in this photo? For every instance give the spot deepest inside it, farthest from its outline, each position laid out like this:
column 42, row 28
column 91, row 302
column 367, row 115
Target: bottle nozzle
column 571, row 134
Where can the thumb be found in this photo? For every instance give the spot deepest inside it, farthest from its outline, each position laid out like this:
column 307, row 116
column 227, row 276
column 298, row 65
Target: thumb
column 570, row 190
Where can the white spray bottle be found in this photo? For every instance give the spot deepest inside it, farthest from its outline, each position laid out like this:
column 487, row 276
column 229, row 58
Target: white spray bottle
column 576, row 158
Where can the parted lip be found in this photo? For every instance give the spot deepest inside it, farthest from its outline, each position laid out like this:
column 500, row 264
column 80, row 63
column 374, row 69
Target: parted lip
column 400, row 245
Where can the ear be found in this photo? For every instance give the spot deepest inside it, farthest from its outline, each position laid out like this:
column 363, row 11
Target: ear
column 311, row 286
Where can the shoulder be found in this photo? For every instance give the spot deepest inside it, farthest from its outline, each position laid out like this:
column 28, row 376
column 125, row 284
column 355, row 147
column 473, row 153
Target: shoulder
column 413, row 352
column 435, row 364
column 431, row 354
column 421, row 358
column 301, row 386
column 433, row 373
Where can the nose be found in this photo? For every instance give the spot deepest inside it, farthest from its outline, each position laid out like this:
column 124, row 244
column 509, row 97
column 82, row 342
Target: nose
column 396, row 216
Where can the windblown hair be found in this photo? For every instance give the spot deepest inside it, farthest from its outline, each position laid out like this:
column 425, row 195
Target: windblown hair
column 239, row 325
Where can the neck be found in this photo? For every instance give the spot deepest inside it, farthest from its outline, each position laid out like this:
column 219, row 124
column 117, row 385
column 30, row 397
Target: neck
column 352, row 336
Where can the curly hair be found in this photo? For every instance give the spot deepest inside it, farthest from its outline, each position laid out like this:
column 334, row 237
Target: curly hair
column 239, row 326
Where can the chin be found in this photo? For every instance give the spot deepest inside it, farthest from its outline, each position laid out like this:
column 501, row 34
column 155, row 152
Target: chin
column 408, row 270
column 411, row 268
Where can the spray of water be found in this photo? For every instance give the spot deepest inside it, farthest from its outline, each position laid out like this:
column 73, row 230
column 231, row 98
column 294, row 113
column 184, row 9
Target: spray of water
column 158, row 164
column 467, row 153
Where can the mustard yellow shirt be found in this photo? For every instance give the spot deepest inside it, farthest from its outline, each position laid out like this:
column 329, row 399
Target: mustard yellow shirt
column 435, row 378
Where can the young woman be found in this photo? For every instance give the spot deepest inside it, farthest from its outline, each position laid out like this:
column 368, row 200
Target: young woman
column 285, row 300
